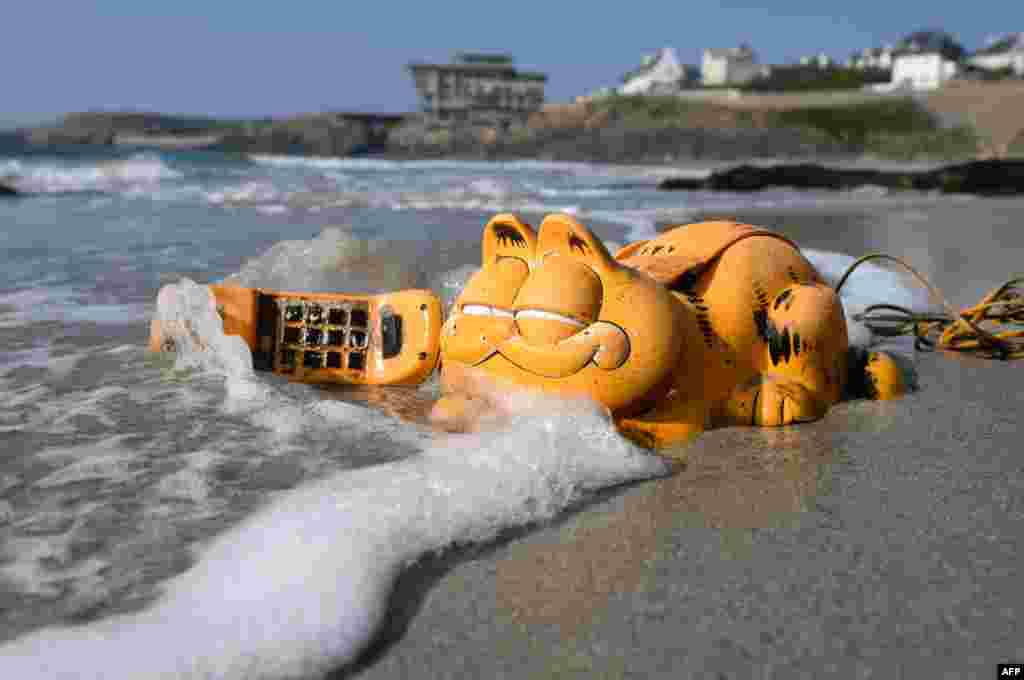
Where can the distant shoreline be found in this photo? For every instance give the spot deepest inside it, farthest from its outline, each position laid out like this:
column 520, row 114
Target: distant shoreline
column 957, row 123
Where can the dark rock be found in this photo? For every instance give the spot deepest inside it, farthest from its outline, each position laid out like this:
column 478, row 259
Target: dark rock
column 325, row 134
column 986, row 178
column 54, row 136
column 682, row 184
column 614, row 143
column 7, row 189
column 799, row 176
column 320, row 135
column 624, row 144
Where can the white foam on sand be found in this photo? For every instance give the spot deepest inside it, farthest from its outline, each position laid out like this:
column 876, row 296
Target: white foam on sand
column 190, row 483
column 300, row 587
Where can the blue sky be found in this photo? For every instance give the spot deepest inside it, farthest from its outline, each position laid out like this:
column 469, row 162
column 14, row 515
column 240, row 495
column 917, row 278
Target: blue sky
column 223, row 57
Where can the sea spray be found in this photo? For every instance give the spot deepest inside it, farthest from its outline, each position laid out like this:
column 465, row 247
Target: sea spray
column 141, row 172
column 191, row 326
column 334, row 261
column 300, row 588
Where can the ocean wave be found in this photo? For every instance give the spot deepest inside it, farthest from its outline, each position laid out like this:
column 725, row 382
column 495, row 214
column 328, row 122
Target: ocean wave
column 254, row 191
column 32, row 305
column 485, row 197
column 300, row 587
column 336, row 260
column 141, row 173
column 481, row 166
column 576, row 193
column 315, row 184
column 641, row 226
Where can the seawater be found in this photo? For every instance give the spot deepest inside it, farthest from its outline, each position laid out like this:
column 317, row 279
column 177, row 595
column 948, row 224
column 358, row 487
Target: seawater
column 187, row 517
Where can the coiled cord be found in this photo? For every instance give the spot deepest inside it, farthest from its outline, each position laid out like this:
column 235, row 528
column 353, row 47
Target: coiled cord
column 1002, row 311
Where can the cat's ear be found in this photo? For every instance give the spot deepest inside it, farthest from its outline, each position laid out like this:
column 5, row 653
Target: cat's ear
column 507, row 236
column 561, row 234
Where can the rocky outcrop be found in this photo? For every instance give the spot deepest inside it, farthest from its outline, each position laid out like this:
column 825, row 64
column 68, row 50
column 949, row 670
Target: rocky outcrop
column 626, row 144
column 318, row 135
column 56, row 136
column 421, row 138
column 324, row 134
column 609, row 143
column 7, row 188
column 986, row 178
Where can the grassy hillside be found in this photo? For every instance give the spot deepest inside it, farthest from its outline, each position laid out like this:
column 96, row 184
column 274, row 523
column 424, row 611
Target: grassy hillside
column 856, row 123
column 894, row 128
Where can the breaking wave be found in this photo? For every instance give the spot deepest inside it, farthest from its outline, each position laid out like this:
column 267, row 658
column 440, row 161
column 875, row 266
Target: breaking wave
column 138, row 174
column 300, row 587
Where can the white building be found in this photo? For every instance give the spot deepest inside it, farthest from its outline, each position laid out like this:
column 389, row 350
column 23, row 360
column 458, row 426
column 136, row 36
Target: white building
column 660, row 73
column 1004, row 53
column 921, row 71
column 478, row 87
column 873, row 57
column 730, row 66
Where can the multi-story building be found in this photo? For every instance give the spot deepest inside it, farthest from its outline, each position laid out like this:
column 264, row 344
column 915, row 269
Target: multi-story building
column 478, row 88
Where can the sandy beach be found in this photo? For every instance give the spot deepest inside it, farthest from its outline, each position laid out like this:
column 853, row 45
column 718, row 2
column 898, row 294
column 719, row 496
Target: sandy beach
column 883, row 541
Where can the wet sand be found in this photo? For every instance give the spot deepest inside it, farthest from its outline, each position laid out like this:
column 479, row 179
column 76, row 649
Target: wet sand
column 882, row 541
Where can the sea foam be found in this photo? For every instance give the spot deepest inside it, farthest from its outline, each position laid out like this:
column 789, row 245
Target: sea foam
column 131, row 175
column 301, row 587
